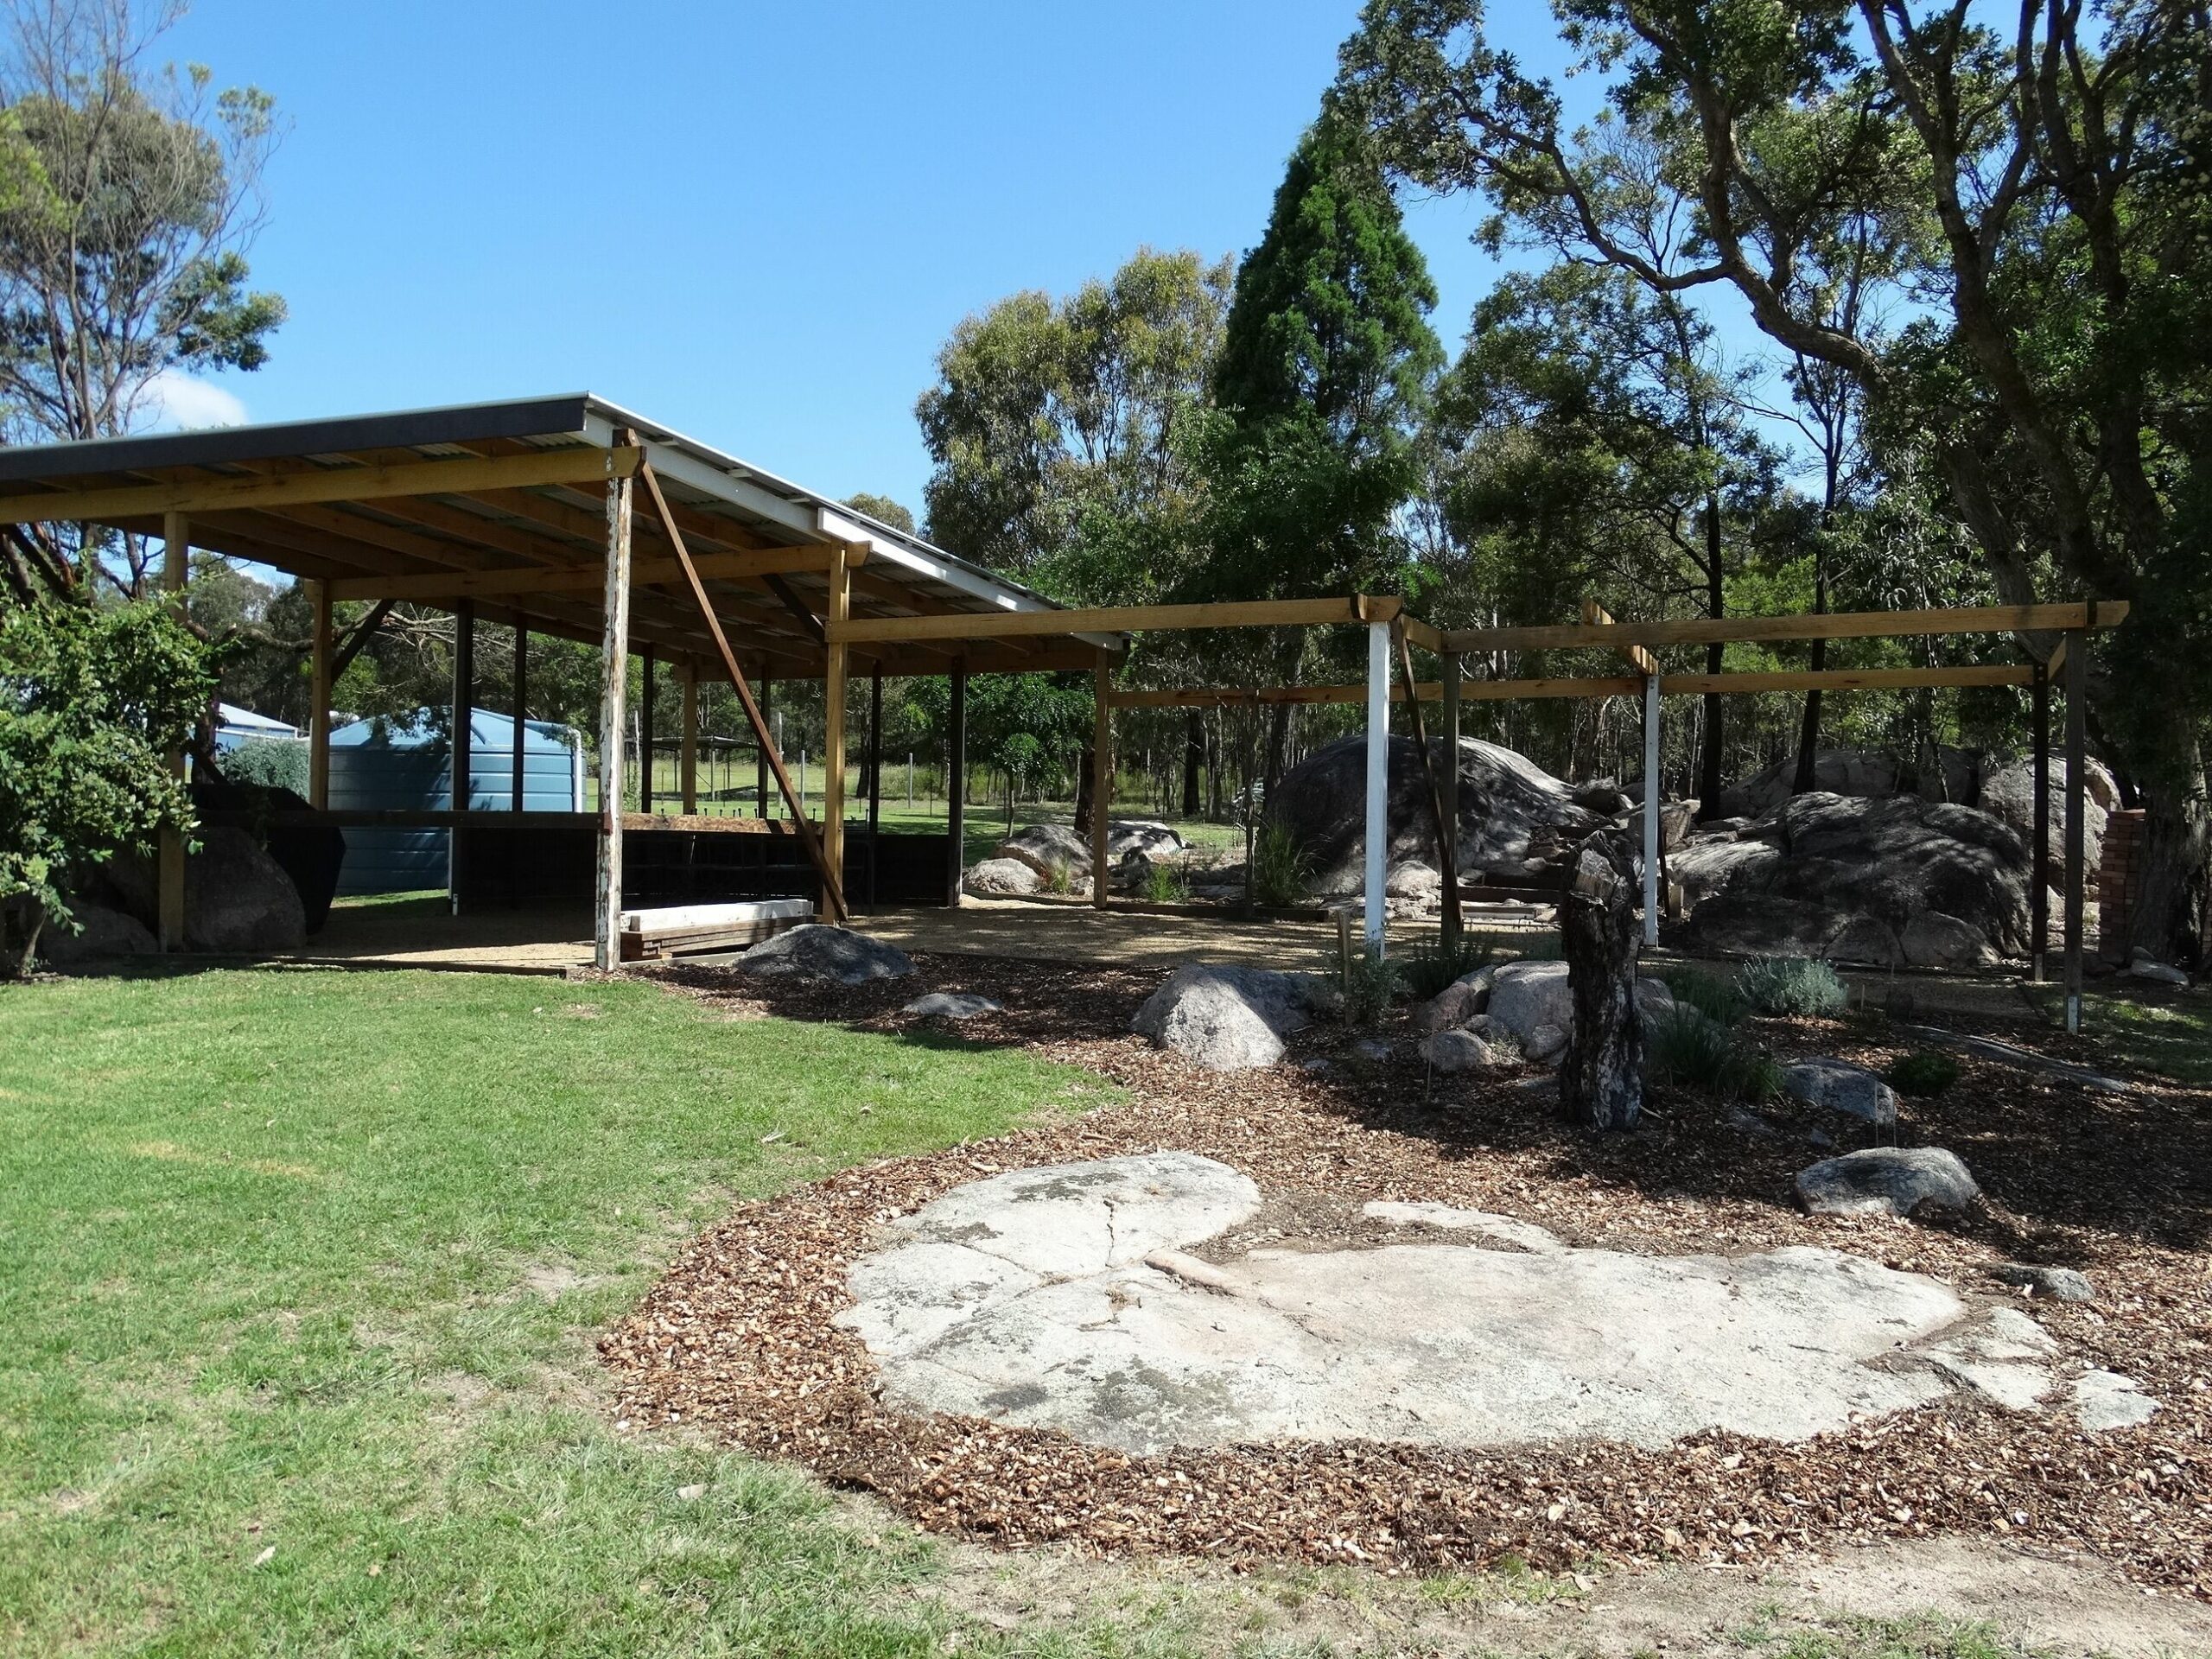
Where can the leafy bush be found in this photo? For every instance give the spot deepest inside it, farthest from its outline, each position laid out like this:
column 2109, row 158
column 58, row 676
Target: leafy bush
column 1430, row 967
column 1370, row 987
column 1717, row 999
column 1927, row 1073
column 1798, row 986
column 1687, row 1047
column 1165, row 884
column 272, row 762
column 1279, row 867
column 91, row 698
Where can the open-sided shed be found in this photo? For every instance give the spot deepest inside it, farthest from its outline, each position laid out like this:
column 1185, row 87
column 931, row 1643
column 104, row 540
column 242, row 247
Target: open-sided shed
column 573, row 516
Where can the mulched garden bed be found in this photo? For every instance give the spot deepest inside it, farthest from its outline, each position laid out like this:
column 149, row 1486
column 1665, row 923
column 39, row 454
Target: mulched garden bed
column 737, row 1337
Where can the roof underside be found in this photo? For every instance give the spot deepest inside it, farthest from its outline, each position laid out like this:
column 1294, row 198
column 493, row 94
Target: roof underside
column 415, row 545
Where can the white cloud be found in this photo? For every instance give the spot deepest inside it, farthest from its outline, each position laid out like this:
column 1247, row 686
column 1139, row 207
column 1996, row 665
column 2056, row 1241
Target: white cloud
column 178, row 403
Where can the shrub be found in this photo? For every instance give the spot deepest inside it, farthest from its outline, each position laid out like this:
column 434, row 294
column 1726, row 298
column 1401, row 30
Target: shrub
column 1432, row 966
column 1687, row 1047
column 1717, row 999
column 1165, row 884
column 1061, row 880
column 1799, row 986
column 1279, row 867
column 1923, row 1074
column 272, row 762
column 1369, row 987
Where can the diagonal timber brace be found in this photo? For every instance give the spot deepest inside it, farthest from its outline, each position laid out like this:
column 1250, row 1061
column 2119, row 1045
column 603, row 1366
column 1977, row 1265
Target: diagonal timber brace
column 808, row 837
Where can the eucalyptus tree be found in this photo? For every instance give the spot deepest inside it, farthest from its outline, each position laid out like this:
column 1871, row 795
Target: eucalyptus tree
column 2061, row 162
column 134, row 195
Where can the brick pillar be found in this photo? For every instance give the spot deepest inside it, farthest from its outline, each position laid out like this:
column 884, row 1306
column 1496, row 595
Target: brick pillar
column 2118, row 881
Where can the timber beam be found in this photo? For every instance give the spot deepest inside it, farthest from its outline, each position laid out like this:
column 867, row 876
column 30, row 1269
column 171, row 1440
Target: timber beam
column 729, row 567
column 330, row 484
column 1838, row 624
column 1120, row 619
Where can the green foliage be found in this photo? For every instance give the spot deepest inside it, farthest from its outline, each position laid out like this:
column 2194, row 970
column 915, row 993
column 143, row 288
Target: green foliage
column 1279, row 866
column 1796, row 987
column 1430, row 966
column 1054, row 428
column 1370, row 986
column 1716, row 998
column 1165, row 883
column 883, row 510
column 91, row 701
column 1688, row 1048
column 1325, row 365
column 1923, row 1074
column 129, row 197
column 271, row 762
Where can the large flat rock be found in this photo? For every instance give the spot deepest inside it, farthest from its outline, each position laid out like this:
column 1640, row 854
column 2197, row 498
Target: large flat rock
column 1063, row 1298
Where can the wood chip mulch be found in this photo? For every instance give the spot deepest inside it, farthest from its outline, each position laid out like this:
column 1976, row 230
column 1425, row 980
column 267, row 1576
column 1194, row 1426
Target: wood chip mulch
column 737, row 1337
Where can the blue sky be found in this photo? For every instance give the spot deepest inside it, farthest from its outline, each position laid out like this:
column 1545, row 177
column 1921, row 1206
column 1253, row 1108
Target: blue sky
column 755, row 223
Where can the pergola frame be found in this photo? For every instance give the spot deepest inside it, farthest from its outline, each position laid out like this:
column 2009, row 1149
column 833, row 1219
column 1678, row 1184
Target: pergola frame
column 528, row 509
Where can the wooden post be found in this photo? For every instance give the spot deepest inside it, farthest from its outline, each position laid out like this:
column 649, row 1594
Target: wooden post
column 462, row 751
column 833, row 735
column 2039, row 893
column 1378, row 780
column 2077, row 666
column 1452, row 917
column 956, row 786
column 688, row 764
column 646, row 731
column 875, row 764
column 518, row 776
column 615, row 675
column 1448, row 851
column 1651, row 809
column 760, row 751
column 176, row 557
column 1101, row 773
column 321, row 655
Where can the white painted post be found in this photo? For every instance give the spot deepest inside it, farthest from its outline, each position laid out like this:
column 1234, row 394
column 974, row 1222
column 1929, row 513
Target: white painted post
column 1378, row 777
column 1651, row 809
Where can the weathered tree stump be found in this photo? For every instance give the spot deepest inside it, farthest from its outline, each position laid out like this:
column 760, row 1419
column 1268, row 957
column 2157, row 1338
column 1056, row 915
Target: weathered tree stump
column 1601, row 1082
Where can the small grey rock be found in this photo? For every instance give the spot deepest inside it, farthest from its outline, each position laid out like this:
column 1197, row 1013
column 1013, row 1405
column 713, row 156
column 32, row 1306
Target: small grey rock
column 1458, row 1051
column 2063, row 1284
column 1750, row 1123
column 1373, row 1050
column 1544, row 1044
column 2143, row 965
column 2110, row 1400
column 1841, row 1087
column 952, row 1005
column 1888, row 1181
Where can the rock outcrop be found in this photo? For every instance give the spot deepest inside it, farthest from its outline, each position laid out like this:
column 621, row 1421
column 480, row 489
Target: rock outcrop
column 99, row 933
column 237, row 900
column 1517, row 822
column 826, row 954
column 1901, row 881
column 1003, row 878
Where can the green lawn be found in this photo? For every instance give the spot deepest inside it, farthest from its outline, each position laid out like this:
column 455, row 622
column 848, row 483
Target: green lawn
column 300, row 1275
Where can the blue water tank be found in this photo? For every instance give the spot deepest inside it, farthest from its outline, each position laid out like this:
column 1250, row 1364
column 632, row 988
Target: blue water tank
column 386, row 765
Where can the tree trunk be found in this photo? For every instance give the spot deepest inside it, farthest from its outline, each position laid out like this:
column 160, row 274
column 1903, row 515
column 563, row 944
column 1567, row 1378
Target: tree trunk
column 1194, row 760
column 1601, row 1082
column 1808, row 734
column 21, row 918
column 1082, row 792
column 1716, row 605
